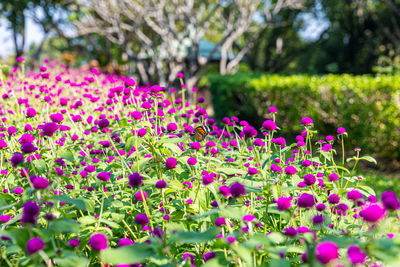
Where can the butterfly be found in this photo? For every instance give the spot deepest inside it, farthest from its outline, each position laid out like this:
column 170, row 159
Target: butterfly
column 201, row 132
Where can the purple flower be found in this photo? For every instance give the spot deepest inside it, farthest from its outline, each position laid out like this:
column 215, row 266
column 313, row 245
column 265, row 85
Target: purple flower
column 30, row 212
column 50, row 128
column 341, row 130
column 4, row 218
column 18, row 190
column 306, row 121
column 237, row 190
column 272, row 109
column 220, row 221
column 333, row 199
column 207, row 179
column 269, row 125
column 125, row 242
column 56, row 117
column 231, row 239
column 309, row 179
column 172, row 127
column 333, row 177
column 74, row 242
column 249, row 218
column 98, row 242
column 290, row 231
column 30, row 112
column 141, row 219
column 103, row 123
column 142, row 132
column 306, row 163
column 170, row 163
column 372, row 213
column 195, row 145
column 16, row 159
column 390, row 200
column 40, row 183
column 249, row 131
column 306, row 201
column 326, row 252
column 290, row 170
column 284, row 203
column 104, row 176
column 318, row 219
column 28, row 148
column 224, row 190
column 34, row 245
column 188, row 255
column 209, row 255
column 320, row 206
column 252, row 171
column 355, row 255
column 3, row 144
column 192, row 161
column 354, row 195
column 129, row 82
column 161, row 184
column 135, row 179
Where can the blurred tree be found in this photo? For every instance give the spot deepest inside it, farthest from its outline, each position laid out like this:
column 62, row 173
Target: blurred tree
column 162, row 37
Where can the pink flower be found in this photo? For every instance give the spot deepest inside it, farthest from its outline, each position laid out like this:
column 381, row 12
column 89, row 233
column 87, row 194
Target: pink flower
column 326, row 252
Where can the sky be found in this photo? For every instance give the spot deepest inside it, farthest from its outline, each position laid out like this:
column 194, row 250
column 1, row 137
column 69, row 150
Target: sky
column 34, row 34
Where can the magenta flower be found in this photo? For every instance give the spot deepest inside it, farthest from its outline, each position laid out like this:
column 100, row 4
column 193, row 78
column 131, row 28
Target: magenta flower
column 306, row 201
column 341, row 130
column 355, row 255
column 142, row 132
column 290, row 170
column 224, row 190
column 135, row 179
column 170, row 163
column 284, row 203
column 98, row 242
column 28, row 148
column 318, row 219
column 269, row 125
column 74, row 242
column 237, row 190
column 220, row 221
column 129, row 82
column 40, row 183
column 125, row 242
column 50, row 128
column 390, row 200
column 195, row 145
column 333, row 199
column 333, row 177
column 207, row 179
column 172, row 127
column 161, row 184
column 30, row 212
column 372, row 213
column 208, row 256
column 309, row 179
column 141, row 219
column 103, row 123
column 354, row 195
column 252, row 171
column 30, row 112
column 104, row 176
column 272, row 109
column 16, row 159
column 34, row 245
column 326, row 252
column 290, row 231
column 249, row 131
column 306, row 121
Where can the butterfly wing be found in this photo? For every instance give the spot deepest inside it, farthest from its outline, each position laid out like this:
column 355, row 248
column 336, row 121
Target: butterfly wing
column 200, row 133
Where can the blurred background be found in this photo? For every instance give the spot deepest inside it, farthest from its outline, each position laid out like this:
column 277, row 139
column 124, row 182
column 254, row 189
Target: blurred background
column 337, row 62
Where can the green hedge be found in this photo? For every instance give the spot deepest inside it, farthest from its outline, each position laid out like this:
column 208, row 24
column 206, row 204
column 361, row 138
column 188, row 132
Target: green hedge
column 368, row 107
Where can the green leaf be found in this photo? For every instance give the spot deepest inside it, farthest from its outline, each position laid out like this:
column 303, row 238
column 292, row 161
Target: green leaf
column 196, row 237
column 40, row 165
column 67, row 155
column 8, row 206
column 130, row 143
column 368, row 191
column 82, row 204
column 231, row 171
column 72, row 261
column 369, row 159
column 127, row 254
column 279, row 263
column 65, row 226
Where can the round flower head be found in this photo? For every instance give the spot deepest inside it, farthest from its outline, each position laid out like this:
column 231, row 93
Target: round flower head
column 135, row 179
column 207, row 179
column 318, row 219
column 306, row 201
column 142, row 132
column 141, row 219
column 224, row 190
column 309, row 179
column 104, row 176
column 290, row 170
column 333, row 177
column 125, row 242
column 290, row 231
column 237, row 190
column 320, row 206
column 252, row 171
column 249, row 131
column 40, row 183
column 354, row 195
column 28, row 148
column 30, row 212
column 172, row 127
column 284, row 203
column 161, row 184
column 34, row 245
column 372, row 213
column 192, row 161
column 341, row 130
column 50, row 128
column 103, row 123
column 98, row 242
column 74, row 242
column 306, row 121
column 16, row 159
column 390, row 200
column 326, row 252
column 220, row 221
column 355, row 255
column 333, row 199
column 272, row 109
column 269, row 125
column 170, row 163
column 129, row 82
column 208, row 256
column 30, row 112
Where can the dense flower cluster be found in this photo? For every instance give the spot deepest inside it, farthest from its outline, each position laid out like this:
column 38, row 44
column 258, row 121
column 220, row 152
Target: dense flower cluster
column 93, row 165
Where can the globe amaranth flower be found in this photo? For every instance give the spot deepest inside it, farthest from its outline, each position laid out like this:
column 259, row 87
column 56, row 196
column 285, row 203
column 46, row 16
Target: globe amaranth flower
column 138, row 196
column 103, row 123
column 249, row 131
column 141, row 219
column 272, row 109
column 318, row 219
column 34, row 245
column 74, row 242
column 309, row 179
column 50, row 128
column 195, row 145
column 4, row 218
column 40, row 183
column 290, row 231
column 142, row 132
column 172, row 127
column 355, row 255
column 192, row 161
column 354, row 195
column 209, row 255
column 306, row 201
column 135, row 179
column 372, row 213
column 207, row 179
column 220, row 221
column 390, row 200
column 125, row 242
column 56, row 117
column 30, row 112
column 224, row 190
column 341, row 130
column 252, row 171
column 290, row 170
column 170, row 163
column 269, row 125
column 333, row 199
column 28, row 148
column 104, row 176
column 320, row 206
column 16, row 159
column 306, row 121
column 333, row 177
column 237, row 190
column 161, row 184
column 129, row 82
column 30, row 212
column 284, row 203
column 326, row 252
column 98, row 242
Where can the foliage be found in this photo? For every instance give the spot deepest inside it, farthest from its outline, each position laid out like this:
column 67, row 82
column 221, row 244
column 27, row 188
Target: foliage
column 366, row 106
column 96, row 171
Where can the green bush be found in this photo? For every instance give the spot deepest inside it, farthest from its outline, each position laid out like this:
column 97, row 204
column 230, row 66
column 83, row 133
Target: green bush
column 368, row 107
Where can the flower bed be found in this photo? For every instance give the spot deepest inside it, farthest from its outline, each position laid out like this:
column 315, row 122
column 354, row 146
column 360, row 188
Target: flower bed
column 98, row 171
